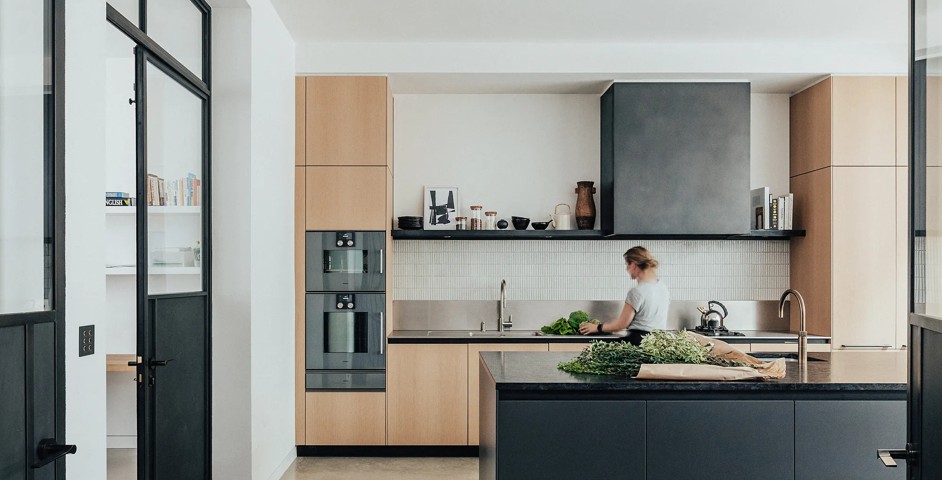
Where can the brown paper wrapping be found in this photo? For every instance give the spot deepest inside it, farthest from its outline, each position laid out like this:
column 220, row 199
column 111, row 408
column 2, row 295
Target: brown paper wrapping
column 758, row 371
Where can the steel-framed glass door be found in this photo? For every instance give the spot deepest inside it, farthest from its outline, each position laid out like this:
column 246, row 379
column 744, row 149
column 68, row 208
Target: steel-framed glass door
column 32, row 253
column 172, row 104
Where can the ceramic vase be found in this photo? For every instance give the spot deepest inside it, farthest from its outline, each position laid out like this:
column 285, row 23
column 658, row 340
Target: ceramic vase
column 585, row 205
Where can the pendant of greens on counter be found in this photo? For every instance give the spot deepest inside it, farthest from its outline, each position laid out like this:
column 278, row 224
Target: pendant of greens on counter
column 568, row 326
column 659, row 346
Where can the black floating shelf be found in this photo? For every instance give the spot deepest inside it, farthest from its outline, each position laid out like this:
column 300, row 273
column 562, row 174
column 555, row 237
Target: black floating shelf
column 582, row 235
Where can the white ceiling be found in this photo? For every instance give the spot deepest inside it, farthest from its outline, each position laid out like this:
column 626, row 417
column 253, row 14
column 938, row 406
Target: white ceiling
column 394, row 36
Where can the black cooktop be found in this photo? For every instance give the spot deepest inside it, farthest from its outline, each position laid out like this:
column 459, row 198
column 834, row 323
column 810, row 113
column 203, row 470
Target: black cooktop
column 717, row 332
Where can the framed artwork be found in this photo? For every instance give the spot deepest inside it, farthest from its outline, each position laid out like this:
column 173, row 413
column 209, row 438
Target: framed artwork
column 441, row 207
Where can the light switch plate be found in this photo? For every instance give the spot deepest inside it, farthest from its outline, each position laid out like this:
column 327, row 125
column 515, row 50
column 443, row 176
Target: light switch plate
column 86, row 340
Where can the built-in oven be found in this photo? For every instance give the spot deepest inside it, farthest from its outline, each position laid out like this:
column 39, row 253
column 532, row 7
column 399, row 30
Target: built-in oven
column 345, row 261
column 345, row 339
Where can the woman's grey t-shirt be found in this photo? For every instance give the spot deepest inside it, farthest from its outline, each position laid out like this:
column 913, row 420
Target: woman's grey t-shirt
column 650, row 301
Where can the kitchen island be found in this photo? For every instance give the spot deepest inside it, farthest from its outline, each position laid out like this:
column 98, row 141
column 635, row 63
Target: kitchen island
column 826, row 421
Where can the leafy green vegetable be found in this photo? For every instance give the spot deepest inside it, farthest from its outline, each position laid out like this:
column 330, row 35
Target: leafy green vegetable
column 568, row 326
column 622, row 358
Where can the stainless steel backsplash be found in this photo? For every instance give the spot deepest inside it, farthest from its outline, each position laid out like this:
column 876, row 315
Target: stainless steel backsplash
column 533, row 314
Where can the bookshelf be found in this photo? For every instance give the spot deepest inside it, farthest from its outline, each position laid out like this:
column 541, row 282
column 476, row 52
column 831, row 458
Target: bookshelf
column 154, row 270
column 154, row 210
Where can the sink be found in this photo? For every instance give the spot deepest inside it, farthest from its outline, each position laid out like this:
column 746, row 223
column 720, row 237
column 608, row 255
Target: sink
column 789, row 357
column 477, row 333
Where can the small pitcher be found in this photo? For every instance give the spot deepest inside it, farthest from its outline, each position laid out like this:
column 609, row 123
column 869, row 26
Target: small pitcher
column 562, row 221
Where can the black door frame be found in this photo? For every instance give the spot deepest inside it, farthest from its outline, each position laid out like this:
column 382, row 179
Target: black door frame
column 147, row 51
column 54, row 212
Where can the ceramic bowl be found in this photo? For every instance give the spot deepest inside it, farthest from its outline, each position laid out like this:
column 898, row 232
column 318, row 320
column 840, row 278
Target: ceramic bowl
column 540, row 225
column 520, row 223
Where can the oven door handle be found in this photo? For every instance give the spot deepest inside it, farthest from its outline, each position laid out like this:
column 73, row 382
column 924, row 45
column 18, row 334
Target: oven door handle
column 382, row 332
column 382, row 258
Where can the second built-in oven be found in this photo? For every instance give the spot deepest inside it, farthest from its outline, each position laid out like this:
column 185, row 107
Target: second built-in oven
column 345, row 338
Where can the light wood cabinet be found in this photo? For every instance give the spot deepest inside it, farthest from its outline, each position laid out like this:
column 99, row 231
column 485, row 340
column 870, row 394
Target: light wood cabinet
column 863, row 121
column 299, row 324
column 902, row 257
column 346, row 120
column 863, row 256
column 849, row 198
column 474, row 373
column 568, row 347
column 346, row 198
column 427, row 390
column 300, row 109
column 810, row 268
column 346, row 418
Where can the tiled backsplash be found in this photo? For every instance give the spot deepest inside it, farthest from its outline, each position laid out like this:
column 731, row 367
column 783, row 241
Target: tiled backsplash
column 586, row 270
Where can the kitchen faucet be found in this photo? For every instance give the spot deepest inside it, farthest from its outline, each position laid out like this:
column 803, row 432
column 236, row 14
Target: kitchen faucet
column 802, row 326
column 502, row 309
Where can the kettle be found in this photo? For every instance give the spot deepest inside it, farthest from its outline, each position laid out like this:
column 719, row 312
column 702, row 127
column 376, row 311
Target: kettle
column 562, row 221
column 710, row 318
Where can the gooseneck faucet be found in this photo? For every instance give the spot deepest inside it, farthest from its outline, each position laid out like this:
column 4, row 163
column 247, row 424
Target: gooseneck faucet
column 503, row 323
column 802, row 326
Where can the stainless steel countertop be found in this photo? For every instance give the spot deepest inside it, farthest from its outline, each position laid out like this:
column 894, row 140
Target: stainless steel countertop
column 532, row 336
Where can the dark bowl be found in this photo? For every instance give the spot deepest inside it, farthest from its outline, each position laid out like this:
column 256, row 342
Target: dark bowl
column 520, row 223
column 540, row 225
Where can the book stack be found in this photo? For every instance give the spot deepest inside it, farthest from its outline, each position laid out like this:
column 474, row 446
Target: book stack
column 771, row 212
column 180, row 192
column 118, row 199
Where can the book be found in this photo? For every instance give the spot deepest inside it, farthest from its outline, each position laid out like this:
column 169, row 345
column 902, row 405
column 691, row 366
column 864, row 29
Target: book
column 760, row 208
column 791, row 211
column 773, row 214
column 118, row 194
column 118, row 202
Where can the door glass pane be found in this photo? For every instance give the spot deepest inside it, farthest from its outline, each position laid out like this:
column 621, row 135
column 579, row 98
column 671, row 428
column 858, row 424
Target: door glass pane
column 346, row 332
column 25, row 157
column 174, row 173
column 345, row 261
column 128, row 8
column 927, row 242
column 177, row 26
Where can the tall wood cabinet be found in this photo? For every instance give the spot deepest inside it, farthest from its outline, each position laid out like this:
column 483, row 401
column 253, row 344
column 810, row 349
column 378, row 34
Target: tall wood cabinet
column 343, row 181
column 846, row 170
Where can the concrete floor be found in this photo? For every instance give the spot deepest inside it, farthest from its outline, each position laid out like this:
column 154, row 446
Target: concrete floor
column 122, row 465
column 370, row 468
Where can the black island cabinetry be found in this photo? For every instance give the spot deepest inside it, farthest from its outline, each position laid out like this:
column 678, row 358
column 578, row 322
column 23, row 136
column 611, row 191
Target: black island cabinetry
column 539, row 422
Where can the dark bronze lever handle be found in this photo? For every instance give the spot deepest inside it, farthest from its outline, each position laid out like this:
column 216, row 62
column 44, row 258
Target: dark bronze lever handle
column 889, row 457
column 49, row 451
column 160, row 363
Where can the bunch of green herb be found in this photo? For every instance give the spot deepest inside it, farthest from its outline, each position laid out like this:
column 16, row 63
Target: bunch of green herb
column 568, row 326
column 621, row 358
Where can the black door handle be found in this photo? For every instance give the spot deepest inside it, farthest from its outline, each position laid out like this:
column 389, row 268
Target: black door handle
column 889, row 457
column 160, row 363
column 49, row 451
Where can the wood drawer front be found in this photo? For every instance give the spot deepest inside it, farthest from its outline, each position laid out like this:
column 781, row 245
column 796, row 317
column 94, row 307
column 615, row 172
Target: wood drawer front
column 568, row 347
column 346, row 418
column 788, row 347
column 474, row 377
column 346, row 198
column 346, row 120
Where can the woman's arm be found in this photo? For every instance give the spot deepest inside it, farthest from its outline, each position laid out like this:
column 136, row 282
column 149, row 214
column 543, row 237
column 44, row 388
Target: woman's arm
column 621, row 323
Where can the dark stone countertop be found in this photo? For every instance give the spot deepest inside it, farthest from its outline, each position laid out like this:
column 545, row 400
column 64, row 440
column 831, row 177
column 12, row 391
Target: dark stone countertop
column 877, row 372
column 530, row 336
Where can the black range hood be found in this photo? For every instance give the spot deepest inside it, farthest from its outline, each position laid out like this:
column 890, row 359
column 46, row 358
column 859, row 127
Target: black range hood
column 675, row 159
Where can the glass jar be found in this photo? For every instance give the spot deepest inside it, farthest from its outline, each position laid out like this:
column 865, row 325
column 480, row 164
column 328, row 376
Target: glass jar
column 490, row 220
column 477, row 222
column 461, row 223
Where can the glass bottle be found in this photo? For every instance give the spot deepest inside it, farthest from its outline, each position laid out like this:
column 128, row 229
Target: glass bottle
column 490, row 220
column 461, row 223
column 476, row 221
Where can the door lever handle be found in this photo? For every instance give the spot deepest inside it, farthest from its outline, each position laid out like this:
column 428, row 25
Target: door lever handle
column 889, row 457
column 49, row 451
column 160, row 363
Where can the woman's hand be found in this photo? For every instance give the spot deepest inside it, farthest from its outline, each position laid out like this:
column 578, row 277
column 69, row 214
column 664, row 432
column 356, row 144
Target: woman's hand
column 588, row 328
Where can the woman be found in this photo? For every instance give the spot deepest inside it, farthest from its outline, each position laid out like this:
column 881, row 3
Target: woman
column 646, row 304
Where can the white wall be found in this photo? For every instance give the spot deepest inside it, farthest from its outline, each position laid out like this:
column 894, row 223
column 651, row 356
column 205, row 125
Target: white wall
column 272, row 207
column 253, row 249
column 522, row 154
column 84, row 233
column 518, row 155
column 769, row 148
